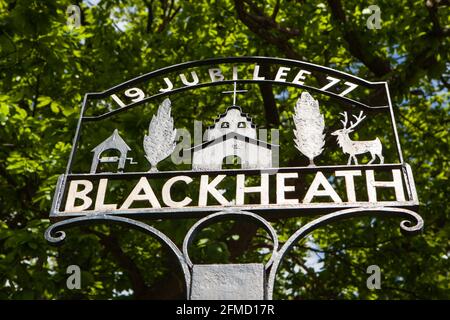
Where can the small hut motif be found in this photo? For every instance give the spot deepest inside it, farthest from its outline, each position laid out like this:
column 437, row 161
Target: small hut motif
column 113, row 142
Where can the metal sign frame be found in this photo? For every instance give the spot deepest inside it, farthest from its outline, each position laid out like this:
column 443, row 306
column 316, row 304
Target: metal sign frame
column 259, row 212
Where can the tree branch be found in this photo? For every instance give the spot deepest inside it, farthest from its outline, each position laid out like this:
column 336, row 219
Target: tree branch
column 267, row 29
column 356, row 45
column 169, row 287
column 275, row 10
column 150, row 15
column 270, row 106
column 407, row 73
column 246, row 232
column 168, row 15
column 111, row 243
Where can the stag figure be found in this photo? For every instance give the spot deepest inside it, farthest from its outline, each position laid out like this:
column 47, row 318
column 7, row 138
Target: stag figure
column 357, row 147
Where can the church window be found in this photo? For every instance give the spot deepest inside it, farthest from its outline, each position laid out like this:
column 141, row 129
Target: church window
column 225, row 125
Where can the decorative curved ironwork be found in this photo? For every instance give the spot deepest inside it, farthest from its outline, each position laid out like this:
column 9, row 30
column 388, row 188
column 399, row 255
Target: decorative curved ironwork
column 405, row 225
column 223, row 215
column 230, row 60
column 309, row 123
column 55, row 235
column 225, row 82
column 413, row 224
column 211, row 61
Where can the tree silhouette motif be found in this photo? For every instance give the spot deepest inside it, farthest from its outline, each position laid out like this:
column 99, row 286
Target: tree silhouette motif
column 160, row 141
column 309, row 127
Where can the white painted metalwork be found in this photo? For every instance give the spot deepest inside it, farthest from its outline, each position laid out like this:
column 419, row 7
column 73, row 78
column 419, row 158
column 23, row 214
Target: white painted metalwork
column 353, row 147
column 160, row 141
column 113, row 142
column 309, row 126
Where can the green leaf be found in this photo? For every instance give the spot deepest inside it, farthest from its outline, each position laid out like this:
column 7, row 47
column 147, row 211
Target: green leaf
column 54, row 106
column 43, row 101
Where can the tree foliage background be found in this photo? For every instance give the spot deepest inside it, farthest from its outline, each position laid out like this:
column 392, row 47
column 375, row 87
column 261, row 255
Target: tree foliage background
column 45, row 69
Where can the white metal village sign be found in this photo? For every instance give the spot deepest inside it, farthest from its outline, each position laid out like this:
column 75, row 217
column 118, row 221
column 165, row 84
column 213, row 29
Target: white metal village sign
column 132, row 155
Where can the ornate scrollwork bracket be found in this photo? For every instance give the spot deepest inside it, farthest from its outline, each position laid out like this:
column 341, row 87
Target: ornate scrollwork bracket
column 56, row 236
column 412, row 224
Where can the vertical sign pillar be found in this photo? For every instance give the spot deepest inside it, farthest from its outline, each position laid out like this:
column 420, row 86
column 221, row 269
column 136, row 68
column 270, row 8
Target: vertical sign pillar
column 228, row 282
